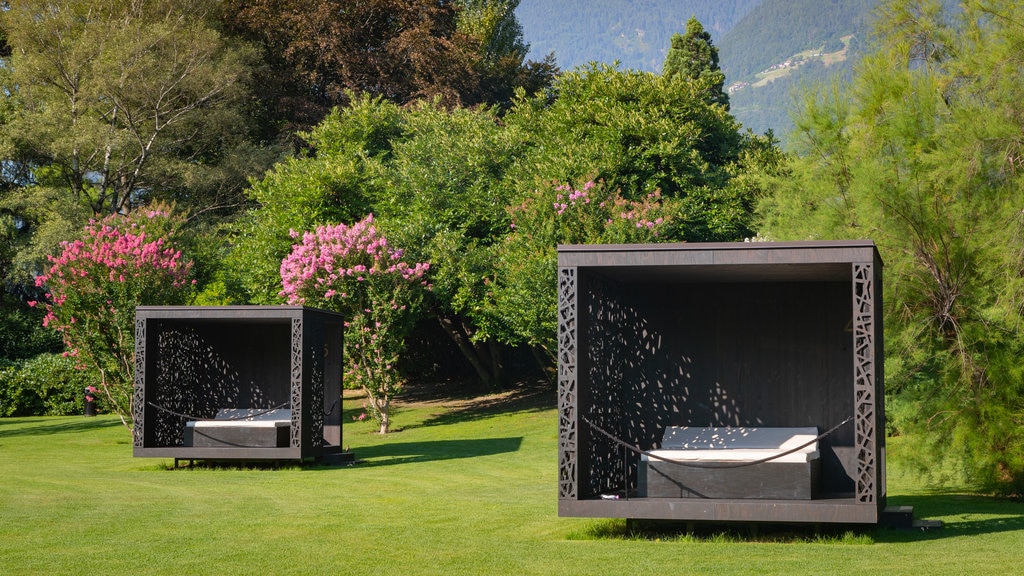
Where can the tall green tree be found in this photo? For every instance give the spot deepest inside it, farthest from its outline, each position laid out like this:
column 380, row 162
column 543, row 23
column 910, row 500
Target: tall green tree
column 640, row 132
column 920, row 153
column 317, row 53
column 119, row 99
column 446, row 183
column 692, row 55
column 501, row 63
column 110, row 105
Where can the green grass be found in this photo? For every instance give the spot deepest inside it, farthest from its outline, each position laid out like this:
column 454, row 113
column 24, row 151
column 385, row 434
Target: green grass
column 469, row 491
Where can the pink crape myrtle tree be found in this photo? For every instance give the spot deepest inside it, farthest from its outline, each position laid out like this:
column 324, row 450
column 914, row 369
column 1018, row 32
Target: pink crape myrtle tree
column 353, row 270
column 94, row 284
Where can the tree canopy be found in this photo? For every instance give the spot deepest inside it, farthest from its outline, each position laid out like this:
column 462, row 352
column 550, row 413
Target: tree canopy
column 318, row 53
column 449, row 184
column 109, row 106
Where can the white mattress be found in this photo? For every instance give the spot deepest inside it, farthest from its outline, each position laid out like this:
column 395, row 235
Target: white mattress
column 240, row 423
column 250, row 418
column 737, row 444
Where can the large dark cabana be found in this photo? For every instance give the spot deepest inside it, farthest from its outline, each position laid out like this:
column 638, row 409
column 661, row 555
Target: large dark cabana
column 237, row 383
column 718, row 362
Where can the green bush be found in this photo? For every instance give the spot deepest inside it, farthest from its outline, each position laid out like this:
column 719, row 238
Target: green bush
column 45, row 385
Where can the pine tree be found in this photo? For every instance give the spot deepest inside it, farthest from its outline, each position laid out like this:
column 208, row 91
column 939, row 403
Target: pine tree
column 921, row 152
column 693, row 56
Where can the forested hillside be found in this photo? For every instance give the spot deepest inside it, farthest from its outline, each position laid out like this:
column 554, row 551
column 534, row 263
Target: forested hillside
column 634, row 33
column 782, row 45
column 777, row 29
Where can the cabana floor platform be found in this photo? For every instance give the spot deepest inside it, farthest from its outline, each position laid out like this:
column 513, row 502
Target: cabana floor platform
column 827, row 509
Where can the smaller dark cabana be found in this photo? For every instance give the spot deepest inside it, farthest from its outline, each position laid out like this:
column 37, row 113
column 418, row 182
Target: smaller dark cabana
column 237, row 382
column 758, row 364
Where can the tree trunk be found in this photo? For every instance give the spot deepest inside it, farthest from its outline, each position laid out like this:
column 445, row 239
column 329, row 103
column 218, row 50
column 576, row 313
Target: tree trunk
column 381, row 408
column 482, row 356
column 547, row 365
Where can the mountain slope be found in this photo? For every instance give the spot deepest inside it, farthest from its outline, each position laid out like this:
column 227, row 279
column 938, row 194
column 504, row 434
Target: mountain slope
column 777, row 29
column 782, row 46
column 635, row 33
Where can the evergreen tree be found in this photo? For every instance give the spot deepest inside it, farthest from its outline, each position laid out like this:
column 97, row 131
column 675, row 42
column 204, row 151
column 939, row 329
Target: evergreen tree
column 693, row 56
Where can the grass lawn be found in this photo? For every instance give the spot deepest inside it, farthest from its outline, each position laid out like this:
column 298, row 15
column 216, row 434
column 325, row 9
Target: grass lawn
column 461, row 488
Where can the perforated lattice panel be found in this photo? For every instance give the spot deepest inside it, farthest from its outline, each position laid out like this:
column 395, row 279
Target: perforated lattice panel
column 864, row 381
column 139, row 390
column 315, row 392
column 296, row 383
column 567, row 379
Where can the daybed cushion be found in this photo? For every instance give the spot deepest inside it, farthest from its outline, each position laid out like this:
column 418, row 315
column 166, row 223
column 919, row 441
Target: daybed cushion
column 241, row 428
column 737, row 444
column 246, row 417
column 790, row 477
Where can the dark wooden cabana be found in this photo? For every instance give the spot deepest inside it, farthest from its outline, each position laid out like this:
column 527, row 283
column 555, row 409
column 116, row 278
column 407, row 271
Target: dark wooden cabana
column 665, row 338
column 237, row 383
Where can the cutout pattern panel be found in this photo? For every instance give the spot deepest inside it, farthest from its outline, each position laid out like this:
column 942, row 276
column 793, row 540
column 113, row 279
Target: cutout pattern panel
column 139, row 390
column 864, row 381
column 568, row 434
column 296, row 383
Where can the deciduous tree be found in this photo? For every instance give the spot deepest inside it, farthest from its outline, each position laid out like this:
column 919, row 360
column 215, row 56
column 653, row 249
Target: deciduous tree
column 111, row 105
column 319, row 52
column 94, row 285
column 117, row 99
column 353, row 269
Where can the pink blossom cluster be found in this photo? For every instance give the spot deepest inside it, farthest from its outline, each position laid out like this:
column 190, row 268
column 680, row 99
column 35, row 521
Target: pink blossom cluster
column 94, row 285
column 637, row 212
column 567, row 197
column 109, row 255
column 120, row 254
column 327, row 260
column 594, row 213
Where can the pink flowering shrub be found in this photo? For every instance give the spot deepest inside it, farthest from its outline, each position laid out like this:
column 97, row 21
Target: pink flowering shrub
column 353, row 270
column 96, row 282
column 591, row 214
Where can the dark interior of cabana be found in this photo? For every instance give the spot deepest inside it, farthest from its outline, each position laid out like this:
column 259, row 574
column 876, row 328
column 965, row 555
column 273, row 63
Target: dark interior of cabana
column 720, row 335
column 195, row 363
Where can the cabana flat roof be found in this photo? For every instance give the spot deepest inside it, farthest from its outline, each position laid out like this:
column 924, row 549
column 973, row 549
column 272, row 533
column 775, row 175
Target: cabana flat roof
column 721, row 262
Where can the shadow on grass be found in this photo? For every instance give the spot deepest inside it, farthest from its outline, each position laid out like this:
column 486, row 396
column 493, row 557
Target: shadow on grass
column 430, row 451
column 523, row 399
column 961, row 515
column 722, row 532
column 45, row 426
